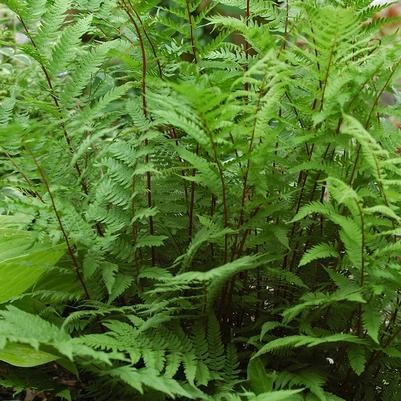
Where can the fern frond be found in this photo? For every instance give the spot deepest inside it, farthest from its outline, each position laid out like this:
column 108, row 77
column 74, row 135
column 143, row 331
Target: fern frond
column 64, row 50
column 82, row 74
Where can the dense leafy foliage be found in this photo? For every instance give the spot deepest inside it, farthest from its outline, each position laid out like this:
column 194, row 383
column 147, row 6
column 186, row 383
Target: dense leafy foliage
column 199, row 200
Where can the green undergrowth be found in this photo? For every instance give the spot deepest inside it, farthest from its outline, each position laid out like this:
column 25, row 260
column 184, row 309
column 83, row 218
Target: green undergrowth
column 199, row 200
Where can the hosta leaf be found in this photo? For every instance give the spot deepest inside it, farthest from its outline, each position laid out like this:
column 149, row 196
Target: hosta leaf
column 258, row 378
column 13, row 243
column 24, row 356
column 19, row 273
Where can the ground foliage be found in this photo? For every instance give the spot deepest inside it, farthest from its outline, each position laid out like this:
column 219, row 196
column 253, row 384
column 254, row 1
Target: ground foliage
column 199, row 200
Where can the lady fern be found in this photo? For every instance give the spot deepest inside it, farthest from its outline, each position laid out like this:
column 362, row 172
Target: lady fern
column 199, row 200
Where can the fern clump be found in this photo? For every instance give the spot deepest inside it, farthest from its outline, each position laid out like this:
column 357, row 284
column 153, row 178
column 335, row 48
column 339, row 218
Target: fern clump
column 199, row 200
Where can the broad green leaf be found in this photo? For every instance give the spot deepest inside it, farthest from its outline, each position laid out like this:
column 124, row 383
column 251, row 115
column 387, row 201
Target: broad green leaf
column 21, row 272
column 24, row 356
column 14, row 221
column 260, row 381
column 14, row 243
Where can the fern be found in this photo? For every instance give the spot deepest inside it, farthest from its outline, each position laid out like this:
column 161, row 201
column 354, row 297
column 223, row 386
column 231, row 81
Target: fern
column 199, row 200
column 82, row 74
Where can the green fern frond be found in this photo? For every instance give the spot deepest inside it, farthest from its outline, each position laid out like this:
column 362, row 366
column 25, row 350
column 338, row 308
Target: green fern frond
column 64, row 50
column 51, row 23
column 82, row 74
